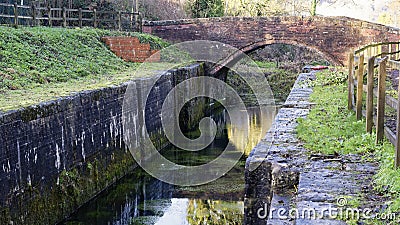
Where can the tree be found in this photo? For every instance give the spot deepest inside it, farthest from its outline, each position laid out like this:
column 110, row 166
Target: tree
column 314, row 4
column 206, row 8
column 313, row 10
column 390, row 15
column 266, row 7
column 164, row 9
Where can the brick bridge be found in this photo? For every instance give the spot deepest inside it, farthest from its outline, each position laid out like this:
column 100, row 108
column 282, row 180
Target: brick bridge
column 333, row 37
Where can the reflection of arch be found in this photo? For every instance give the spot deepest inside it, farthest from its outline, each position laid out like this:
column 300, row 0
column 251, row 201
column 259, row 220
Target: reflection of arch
column 260, row 121
column 236, row 56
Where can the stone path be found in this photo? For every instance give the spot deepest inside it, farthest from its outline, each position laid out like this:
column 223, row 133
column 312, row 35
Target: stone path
column 306, row 189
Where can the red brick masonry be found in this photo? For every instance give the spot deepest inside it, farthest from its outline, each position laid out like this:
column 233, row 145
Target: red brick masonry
column 130, row 49
column 334, row 37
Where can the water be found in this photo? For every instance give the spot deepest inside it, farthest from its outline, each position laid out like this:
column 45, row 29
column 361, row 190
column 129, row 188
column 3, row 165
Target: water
column 141, row 199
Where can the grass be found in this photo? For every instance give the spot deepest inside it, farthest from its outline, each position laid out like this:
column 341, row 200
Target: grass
column 331, row 128
column 265, row 64
column 349, row 216
column 40, row 63
column 280, row 80
column 15, row 99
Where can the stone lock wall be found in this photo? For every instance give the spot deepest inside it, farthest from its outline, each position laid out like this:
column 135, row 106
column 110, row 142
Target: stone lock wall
column 334, row 37
column 130, row 49
column 56, row 155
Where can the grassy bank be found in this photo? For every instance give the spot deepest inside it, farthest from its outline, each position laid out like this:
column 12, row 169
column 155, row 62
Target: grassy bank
column 280, row 80
column 330, row 128
column 40, row 63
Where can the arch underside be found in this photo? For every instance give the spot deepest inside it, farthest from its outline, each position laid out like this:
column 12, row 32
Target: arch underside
column 235, row 57
column 327, row 56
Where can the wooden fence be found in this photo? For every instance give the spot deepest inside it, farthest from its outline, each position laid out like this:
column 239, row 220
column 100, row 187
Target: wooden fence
column 63, row 17
column 362, row 63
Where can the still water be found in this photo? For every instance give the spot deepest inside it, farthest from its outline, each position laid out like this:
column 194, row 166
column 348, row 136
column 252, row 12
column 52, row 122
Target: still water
column 139, row 198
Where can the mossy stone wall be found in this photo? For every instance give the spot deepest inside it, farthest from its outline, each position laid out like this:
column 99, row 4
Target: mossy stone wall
column 57, row 155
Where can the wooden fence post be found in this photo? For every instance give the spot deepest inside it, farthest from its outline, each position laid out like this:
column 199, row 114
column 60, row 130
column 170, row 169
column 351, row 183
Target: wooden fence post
column 64, row 15
column 130, row 21
column 136, row 13
column 33, row 15
column 390, row 51
column 381, row 101
column 372, row 51
column 370, row 95
column 350, row 87
column 113, row 14
column 80, row 17
column 397, row 154
column 119, row 20
column 16, row 15
column 94, row 18
column 140, row 21
column 360, row 87
column 49, row 16
column 369, row 52
column 383, row 55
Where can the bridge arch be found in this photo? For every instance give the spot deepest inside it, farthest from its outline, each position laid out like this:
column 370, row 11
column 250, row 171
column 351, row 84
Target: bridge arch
column 236, row 56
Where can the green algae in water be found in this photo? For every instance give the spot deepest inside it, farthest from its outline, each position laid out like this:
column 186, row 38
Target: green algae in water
column 215, row 212
column 144, row 220
column 157, row 206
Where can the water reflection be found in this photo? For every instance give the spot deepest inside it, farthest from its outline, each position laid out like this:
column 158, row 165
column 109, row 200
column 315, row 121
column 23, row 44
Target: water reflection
column 214, row 212
column 141, row 199
column 259, row 123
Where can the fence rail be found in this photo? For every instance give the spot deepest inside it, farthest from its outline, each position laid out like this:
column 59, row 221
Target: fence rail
column 45, row 16
column 362, row 63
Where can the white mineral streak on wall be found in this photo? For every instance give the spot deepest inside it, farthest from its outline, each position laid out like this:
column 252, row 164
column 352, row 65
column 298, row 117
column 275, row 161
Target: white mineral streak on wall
column 58, row 160
column 83, row 145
